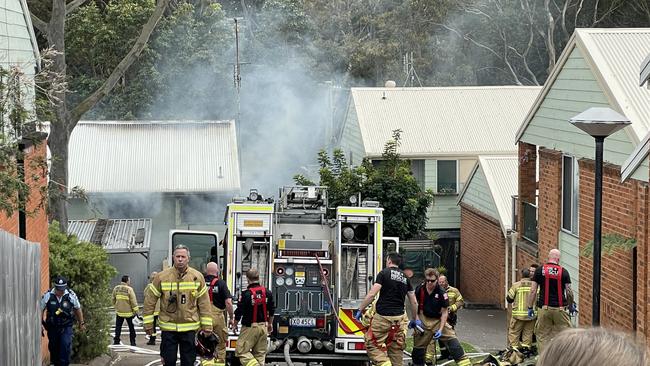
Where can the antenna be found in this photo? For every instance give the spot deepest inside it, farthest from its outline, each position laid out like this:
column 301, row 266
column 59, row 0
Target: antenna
column 409, row 70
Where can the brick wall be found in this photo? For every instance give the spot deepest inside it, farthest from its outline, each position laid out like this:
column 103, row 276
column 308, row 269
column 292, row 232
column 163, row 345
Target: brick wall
column 482, row 258
column 527, row 184
column 621, row 202
column 550, row 200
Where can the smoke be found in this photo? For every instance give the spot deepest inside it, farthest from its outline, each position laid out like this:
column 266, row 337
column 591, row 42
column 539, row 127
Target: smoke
column 126, row 205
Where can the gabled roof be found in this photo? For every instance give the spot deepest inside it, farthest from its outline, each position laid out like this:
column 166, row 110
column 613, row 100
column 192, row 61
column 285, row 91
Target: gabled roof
column 114, row 235
column 641, row 151
column 154, row 156
column 501, row 174
column 442, row 120
column 614, row 56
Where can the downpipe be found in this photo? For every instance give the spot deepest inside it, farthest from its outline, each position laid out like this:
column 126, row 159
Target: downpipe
column 287, row 346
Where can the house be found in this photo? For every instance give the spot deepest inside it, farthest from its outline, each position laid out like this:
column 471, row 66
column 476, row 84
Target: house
column 598, row 68
column 444, row 130
column 176, row 174
column 486, row 207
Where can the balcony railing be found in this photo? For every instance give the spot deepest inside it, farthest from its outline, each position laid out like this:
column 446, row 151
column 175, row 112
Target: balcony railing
column 529, row 231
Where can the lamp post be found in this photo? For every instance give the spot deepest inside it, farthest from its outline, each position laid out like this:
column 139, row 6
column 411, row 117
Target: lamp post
column 599, row 123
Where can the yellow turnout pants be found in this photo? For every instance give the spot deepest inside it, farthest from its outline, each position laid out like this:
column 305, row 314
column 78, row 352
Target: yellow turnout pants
column 381, row 350
column 252, row 345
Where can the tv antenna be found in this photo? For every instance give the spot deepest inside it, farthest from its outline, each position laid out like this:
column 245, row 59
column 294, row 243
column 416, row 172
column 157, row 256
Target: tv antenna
column 409, row 70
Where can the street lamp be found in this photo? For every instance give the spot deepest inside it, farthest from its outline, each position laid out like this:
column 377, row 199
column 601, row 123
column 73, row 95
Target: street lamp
column 599, row 123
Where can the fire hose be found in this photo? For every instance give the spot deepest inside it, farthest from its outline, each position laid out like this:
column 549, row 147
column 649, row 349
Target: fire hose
column 329, row 298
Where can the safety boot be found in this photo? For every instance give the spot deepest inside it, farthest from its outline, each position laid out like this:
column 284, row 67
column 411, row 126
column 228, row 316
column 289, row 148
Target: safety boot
column 152, row 341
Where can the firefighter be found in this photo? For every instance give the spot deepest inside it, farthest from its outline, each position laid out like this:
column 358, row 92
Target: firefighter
column 221, row 301
column 156, row 312
column 60, row 307
column 433, row 304
column 521, row 325
column 126, row 307
column 255, row 310
column 455, row 303
column 554, row 296
column 385, row 337
column 184, row 308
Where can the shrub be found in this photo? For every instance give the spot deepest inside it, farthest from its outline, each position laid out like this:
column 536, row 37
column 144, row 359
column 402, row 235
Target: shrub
column 86, row 267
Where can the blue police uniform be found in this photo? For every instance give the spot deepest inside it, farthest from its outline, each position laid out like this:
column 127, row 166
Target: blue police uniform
column 58, row 323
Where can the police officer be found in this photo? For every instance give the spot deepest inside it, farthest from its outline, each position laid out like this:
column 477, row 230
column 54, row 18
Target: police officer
column 221, row 300
column 433, row 304
column 554, row 296
column 60, row 306
column 521, row 325
column 255, row 310
column 456, row 302
column 184, row 308
column 385, row 337
column 156, row 311
column 126, row 307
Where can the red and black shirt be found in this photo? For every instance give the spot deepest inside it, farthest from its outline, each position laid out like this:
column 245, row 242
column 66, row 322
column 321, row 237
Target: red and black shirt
column 431, row 304
column 552, row 279
column 255, row 305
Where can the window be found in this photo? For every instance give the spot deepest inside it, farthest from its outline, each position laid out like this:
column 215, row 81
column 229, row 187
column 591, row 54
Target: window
column 570, row 194
column 447, row 176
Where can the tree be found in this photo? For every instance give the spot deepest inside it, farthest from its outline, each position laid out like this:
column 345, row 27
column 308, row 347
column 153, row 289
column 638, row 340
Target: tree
column 65, row 117
column 18, row 130
column 390, row 182
column 89, row 274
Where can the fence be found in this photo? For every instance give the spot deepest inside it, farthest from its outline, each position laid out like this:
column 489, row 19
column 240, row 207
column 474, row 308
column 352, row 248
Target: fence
column 20, row 325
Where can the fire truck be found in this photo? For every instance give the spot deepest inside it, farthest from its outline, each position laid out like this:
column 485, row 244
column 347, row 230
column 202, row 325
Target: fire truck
column 319, row 269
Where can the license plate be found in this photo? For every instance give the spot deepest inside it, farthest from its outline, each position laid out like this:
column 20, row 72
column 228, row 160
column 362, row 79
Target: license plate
column 302, row 322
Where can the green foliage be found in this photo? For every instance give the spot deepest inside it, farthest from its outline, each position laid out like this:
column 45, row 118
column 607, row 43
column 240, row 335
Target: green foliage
column 17, row 127
column 89, row 273
column 390, row 182
column 609, row 243
column 442, row 270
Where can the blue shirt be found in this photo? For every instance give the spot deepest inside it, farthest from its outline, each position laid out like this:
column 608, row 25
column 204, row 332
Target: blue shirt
column 73, row 298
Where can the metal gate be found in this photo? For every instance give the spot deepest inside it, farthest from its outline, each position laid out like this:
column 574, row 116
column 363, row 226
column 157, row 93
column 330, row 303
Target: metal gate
column 20, row 324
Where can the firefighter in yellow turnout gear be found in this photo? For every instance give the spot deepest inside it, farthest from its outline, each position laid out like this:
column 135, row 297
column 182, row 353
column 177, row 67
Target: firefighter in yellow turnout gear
column 126, row 307
column 521, row 325
column 156, row 312
column 255, row 309
column 385, row 337
column 433, row 303
column 221, row 301
column 456, row 302
column 184, row 308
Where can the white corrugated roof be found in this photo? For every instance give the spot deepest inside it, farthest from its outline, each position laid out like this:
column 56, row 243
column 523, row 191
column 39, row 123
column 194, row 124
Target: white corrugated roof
column 502, row 175
column 614, row 56
column 114, row 235
column 154, row 156
column 442, row 120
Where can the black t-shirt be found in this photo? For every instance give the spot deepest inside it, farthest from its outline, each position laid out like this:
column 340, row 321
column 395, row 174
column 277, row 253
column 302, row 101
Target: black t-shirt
column 394, row 286
column 552, row 271
column 219, row 292
column 245, row 305
column 431, row 304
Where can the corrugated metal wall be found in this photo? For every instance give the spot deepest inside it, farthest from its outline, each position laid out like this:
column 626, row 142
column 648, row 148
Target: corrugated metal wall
column 20, row 326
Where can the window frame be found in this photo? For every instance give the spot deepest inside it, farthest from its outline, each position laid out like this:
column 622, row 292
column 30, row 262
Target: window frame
column 574, row 223
column 457, row 168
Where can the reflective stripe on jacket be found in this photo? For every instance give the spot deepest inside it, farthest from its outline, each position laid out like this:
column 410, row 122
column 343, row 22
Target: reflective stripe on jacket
column 456, row 300
column 124, row 300
column 518, row 295
column 184, row 301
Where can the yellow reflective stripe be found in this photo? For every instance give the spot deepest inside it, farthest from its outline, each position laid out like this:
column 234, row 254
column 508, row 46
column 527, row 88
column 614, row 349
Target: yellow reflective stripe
column 166, row 286
column 359, row 210
column 122, row 297
column 206, row 320
column 154, row 290
column 147, row 319
column 124, row 315
column 156, row 313
column 182, row 327
column 385, row 363
column 252, row 362
column 135, row 308
column 169, row 286
column 203, row 292
column 263, row 208
column 464, row 362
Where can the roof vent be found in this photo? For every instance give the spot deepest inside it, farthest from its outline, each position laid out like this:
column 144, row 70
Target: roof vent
column 390, row 84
